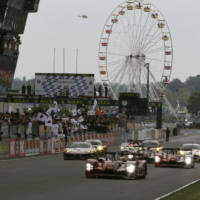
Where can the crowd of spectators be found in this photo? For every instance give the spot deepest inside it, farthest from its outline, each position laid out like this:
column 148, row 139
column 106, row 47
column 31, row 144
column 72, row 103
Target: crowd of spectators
column 54, row 123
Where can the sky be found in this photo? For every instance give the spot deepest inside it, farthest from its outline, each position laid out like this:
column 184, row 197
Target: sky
column 57, row 25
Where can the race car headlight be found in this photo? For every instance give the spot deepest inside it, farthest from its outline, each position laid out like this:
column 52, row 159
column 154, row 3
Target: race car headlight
column 130, row 156
column 66, row 150
column 130, row 168
column 100, row 148
column 158, row 148
column 122, row 148
column 188, row 160
column 89, row 167
column 91, row 151
column 157, row 159
column 182, row 153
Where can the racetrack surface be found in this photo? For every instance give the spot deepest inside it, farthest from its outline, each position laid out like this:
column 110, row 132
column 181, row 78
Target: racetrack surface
column 52, row 178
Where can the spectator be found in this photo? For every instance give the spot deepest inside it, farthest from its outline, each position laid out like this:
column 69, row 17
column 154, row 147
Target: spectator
column 54, row 129
column 29, row 129
column 167, row 134
column 65, row 132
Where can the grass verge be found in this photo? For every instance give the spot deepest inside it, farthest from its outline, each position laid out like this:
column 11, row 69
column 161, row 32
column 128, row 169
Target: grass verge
column 191, row 192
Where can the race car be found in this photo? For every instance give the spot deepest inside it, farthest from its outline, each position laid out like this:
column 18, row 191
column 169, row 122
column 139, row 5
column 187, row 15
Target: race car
column 174, row 157
column 151, row 147
column 133, row 155
column 98, row 145
column 114, row 165
column 79, row 150
column 195, row 150
column 131, row 145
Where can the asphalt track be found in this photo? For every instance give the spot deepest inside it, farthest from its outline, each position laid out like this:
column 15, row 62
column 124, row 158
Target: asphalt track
column 52, row 178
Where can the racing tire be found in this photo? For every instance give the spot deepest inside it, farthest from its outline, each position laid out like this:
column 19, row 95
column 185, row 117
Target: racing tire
column 193, row 164
column 128, row 177
column 157, row 165
column 145, row 172
column 143, row 177
column 65, row 157
column 190, row 166
column 89, row 176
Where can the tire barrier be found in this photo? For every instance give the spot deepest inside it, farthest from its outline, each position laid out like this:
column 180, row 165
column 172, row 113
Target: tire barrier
column 14, row 148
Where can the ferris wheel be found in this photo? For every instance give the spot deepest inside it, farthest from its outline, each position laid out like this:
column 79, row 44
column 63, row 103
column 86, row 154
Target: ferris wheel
column 135, row 35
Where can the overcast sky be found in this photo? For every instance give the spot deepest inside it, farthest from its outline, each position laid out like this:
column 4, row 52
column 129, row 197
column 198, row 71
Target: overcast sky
column 57, row 25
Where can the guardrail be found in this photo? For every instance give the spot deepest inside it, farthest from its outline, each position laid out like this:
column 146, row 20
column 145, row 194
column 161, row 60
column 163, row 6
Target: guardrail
column 14, row 148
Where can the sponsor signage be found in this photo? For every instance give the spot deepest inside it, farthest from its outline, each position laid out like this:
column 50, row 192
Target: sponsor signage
column 59, row 100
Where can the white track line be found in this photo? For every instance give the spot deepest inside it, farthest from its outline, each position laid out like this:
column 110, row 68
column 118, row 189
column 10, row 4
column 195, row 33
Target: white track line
column 177, row 190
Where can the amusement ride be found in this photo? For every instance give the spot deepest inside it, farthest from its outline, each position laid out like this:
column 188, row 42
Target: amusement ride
column 136, row 47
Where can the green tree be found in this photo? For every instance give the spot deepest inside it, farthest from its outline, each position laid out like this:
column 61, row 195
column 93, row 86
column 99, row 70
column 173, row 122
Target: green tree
column 194, row 103
column 193, row 83
column 175, row 85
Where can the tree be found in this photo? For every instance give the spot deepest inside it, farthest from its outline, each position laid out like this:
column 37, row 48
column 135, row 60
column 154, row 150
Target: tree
column 193, row 83
column 175, row 85
column 194, row 103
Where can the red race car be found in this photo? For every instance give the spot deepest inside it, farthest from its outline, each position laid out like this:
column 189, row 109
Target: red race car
column 113, row 164
column 174, row 157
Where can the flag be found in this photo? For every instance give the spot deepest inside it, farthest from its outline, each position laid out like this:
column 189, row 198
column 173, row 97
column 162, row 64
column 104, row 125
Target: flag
column 94, row 105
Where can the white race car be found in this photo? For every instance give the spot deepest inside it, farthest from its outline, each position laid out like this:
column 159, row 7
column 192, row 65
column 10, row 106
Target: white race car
column 131, row 145
column 151, row 147
column 195, row 150
column 79, row 150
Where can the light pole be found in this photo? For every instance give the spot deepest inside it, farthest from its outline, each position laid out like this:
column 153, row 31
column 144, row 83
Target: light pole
column 54, row 60
column 63, row 60
column 76, row 60
column 147, row 66
column 84, row 17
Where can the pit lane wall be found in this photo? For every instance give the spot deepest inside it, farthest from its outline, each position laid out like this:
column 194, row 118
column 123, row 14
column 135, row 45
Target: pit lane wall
column 15, row 148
